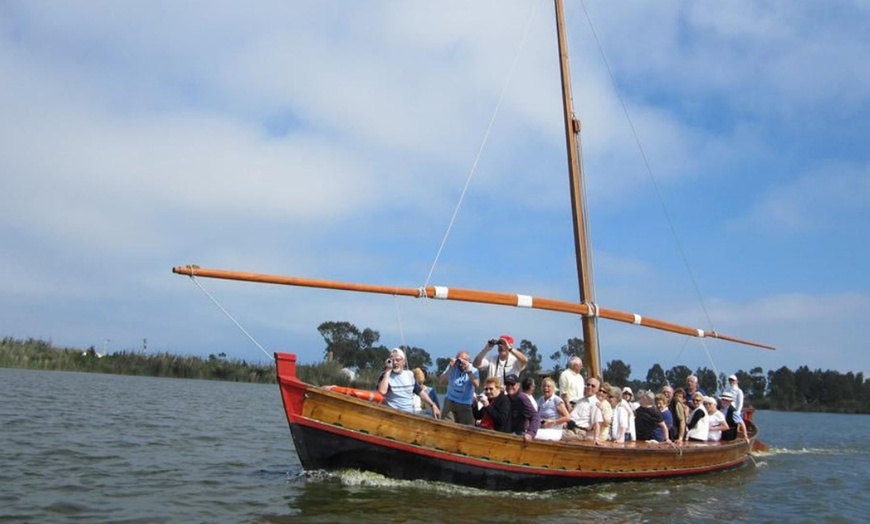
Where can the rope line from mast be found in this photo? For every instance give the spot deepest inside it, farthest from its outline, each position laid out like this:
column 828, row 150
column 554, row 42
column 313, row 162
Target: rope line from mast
column 511, row 71
column 654, row 182
column 229, row 316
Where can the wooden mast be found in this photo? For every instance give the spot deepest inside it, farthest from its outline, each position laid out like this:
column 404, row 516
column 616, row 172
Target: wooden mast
column 581, row 241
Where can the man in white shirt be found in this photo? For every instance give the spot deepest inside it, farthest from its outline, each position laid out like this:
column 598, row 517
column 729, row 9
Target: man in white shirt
column 736, row 394
column 571, row 384
column 509, row 360
column 586, row 417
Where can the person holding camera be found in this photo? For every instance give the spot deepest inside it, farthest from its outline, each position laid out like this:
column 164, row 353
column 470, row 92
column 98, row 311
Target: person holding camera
column 492, row 409
column 509, row 361
column 461, row 379
column 398, row 385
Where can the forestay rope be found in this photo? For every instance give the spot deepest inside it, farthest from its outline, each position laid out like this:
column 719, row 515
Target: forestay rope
column 531, row 18
column 229, row 316
column 655, row 185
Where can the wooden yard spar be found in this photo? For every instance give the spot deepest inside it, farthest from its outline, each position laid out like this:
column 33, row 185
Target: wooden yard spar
column 466, row 295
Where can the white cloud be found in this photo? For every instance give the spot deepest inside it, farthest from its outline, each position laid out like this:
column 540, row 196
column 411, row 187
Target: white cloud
column 332, row 140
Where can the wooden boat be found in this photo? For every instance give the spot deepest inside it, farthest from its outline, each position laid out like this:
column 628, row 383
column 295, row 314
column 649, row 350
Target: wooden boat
column 334, row 429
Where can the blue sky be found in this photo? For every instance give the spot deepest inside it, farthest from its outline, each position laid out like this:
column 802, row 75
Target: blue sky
column 333, row 140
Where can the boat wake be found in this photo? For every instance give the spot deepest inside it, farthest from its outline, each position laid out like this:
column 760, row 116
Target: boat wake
column 802, row 451
column 367, row 479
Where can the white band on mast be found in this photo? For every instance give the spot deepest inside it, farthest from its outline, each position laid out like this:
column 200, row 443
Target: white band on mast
column 637, row 319
column 441, row 292
column 700, row 333
column 524, row 301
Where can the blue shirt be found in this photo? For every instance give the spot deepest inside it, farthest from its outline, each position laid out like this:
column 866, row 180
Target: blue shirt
column 460, row 388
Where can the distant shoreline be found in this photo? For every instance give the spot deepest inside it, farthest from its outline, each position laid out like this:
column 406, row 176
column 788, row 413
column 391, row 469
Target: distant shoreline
column 801, row 391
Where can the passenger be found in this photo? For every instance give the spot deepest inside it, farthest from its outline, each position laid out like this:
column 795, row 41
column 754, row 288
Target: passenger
column 606, row 412
column 528, row 387
column 571, row 382
column 628, row 396
column 715, row 419
column 624, row 415
column 509, row 361
column 736, row 426
column 621, row 428
column 691, row 389
column 493, row 408
column 398, row 385
column 420, row 377
column 525, row 420
column 736, row 394
column 668, row 392
column 648, row 420
column 662, row 406
column 551, row 407
column 586, row 418
column 680, row 412
column 697, row 428
column 461, row 379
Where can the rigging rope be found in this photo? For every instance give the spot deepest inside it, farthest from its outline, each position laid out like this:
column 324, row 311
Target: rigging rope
column 227, row 313
column 652, row 178
column 399, row 318
column 532, row 13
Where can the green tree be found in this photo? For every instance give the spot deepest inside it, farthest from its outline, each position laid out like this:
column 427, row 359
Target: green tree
column 783, row 391
column 573, row 347
column 352, row 347
column 533, row 368
column 417, row 358
column 677, row 376
column 441, row 364
column 803, row 383
column 707, row 380
column 756, row 383
column 617, row 373
column 655, row 378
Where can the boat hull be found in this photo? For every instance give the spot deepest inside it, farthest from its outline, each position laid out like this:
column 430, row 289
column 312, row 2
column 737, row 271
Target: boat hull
column 334, row 432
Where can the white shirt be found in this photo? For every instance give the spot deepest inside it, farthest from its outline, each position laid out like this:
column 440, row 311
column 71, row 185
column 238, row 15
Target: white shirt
column 714, row 435
column 586, row 413
column 571, row 385
column 623, row 422
column 737, row 398
column 501, row 369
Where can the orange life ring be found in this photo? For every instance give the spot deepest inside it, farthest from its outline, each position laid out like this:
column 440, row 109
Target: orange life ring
column 364, row 394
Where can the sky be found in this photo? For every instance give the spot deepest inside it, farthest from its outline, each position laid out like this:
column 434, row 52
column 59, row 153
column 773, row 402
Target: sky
column 725, row 151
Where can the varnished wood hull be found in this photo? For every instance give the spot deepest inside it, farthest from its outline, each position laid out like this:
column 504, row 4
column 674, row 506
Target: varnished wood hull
column 332, row 431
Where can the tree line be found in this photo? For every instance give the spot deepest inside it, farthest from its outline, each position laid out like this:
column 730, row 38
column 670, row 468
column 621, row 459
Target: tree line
column 782, row 389
column 42, row 355
column 353, row 357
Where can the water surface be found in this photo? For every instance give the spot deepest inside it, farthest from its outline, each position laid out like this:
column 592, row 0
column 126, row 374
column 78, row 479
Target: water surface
column 95, row 448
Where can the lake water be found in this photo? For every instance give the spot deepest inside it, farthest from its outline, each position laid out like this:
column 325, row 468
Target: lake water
column 105, row 448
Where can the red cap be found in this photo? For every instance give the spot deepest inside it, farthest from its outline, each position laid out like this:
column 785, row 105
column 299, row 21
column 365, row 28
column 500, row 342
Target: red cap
column 507, row 338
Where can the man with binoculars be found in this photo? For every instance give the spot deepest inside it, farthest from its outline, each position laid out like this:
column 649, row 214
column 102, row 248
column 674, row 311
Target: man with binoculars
column 509, row 360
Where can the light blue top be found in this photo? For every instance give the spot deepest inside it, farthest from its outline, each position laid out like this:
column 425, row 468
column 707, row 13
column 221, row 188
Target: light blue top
column 400, row 393
column 460, row 388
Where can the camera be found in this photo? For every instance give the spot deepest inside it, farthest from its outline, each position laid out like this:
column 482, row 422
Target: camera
column 493, row 341
column 388, row 363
